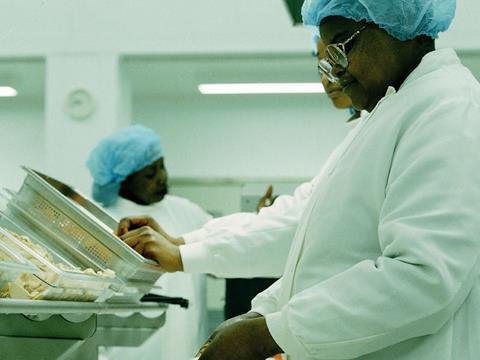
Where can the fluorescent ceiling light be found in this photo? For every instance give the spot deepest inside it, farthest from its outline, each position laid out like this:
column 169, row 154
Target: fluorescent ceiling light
column 7, row 91
column 261, row 88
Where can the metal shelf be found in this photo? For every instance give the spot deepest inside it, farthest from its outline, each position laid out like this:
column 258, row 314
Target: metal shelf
column 62, row 330
column 12, row 306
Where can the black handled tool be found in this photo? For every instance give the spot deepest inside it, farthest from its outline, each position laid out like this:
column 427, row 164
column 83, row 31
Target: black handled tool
column 165, row 299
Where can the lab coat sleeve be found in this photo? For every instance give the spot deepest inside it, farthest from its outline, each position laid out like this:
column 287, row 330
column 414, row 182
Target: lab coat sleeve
column 245, row 244
column 202, row 217
column 267, row 301
column 429, row 238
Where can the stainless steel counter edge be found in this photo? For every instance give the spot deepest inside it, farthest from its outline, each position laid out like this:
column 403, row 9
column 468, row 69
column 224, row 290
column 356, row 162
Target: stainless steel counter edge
column 13, row 306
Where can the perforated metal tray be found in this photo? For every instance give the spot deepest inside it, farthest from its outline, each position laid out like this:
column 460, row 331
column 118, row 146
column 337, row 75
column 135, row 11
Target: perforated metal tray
column 79, row 199
column 76, row 229
column 65, row 283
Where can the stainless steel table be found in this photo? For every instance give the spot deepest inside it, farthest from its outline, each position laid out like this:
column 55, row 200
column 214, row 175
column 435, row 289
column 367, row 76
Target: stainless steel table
column 73, row 330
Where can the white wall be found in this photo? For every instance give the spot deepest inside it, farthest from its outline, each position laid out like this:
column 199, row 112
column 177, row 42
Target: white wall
column 147, row 26
column 167, row 27
column 463, row 33
column 69, row 140
column 277, row 136
column 22, row 139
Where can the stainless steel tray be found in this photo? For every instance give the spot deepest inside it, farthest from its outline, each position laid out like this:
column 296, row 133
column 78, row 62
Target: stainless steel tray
column 59, row 283
column 79, row 199
column 75, row 228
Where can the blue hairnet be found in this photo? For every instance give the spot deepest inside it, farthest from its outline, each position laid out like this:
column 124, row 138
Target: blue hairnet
column 402, row 19
column 117, row 156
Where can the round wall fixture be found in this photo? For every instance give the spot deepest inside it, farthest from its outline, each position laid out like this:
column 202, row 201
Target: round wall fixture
column 79, row 104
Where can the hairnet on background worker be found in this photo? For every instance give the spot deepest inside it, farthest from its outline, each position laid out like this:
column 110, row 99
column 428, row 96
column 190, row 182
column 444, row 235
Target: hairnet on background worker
column 117, row 156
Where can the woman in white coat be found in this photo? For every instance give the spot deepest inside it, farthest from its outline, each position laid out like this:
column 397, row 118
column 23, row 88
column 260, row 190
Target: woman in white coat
column 229, row 246
column 385, row 261
column 130, row 177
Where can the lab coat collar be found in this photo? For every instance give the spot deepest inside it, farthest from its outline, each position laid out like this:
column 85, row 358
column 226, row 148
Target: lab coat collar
column 128, row 205
column 431, row 62
column 353, row 123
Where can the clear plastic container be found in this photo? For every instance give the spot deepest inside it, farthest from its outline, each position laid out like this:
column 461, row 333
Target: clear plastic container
column 57, row 278
column 79, row 232
column 12, row 265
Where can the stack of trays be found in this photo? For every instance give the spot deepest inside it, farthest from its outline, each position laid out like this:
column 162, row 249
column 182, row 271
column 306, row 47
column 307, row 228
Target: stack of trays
column 12, row 266
column 70, row 228
column 44, row 273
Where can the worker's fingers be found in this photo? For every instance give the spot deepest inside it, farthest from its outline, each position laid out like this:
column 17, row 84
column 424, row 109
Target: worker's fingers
column 265, row 200
column 132, row 241
column 129, row 223
column 150, row 250
column 132, row 232
column 269, row 192
column 140, row 247
column 132, row 238
column 202, row 349
column 144, row 245
column 207, row 343
column 134, row 222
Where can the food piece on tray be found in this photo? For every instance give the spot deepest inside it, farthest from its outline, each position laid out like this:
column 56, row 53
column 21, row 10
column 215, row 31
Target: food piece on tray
column 15, row 291
column 30, row 286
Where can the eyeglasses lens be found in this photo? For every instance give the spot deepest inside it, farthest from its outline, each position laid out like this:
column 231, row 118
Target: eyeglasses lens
column 337, row 56
column 325, row 68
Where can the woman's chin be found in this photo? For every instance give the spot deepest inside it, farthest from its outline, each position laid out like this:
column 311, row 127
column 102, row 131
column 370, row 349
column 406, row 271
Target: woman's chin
column 342, row 103
column 359, row 98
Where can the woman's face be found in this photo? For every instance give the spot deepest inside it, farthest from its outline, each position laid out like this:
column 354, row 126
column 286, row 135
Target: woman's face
column 373, row 60
column 334, row 90
column 148, row 185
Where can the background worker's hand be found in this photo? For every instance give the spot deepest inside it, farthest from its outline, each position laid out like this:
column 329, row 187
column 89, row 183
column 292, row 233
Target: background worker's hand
column 266, row 200
column 245, row 337
column 136, row 222
column 153, row 245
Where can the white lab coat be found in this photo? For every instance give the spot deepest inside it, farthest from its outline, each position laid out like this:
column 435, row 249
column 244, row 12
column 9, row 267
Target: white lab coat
column 385, row 261
column 246, row 245
column 185, row 330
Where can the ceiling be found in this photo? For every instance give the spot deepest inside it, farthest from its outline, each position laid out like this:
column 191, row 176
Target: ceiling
column 180, row 75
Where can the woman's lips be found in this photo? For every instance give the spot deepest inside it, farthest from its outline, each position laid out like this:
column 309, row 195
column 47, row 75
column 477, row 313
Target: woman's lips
column 334, row 93
column 161, row 191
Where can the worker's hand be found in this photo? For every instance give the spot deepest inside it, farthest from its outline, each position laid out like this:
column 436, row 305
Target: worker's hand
column 266, row 200
column 153, row 245
column 135, row 222
column 240, row 338
column 226, row 323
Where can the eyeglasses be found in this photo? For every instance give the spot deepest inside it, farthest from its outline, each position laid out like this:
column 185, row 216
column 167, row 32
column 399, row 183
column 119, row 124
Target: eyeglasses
column 336, row 56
